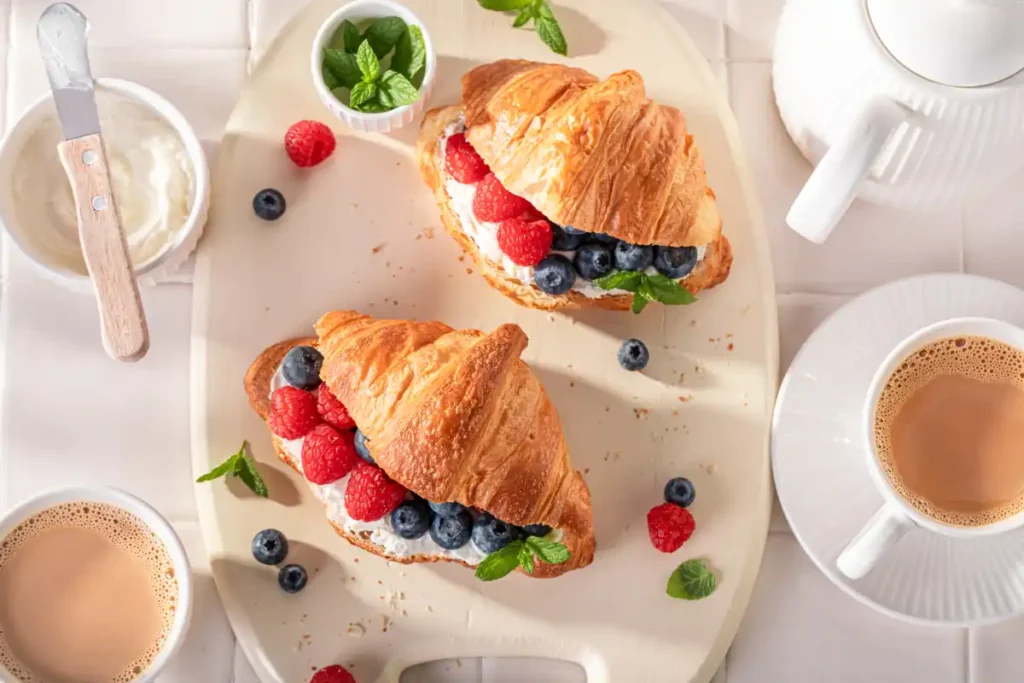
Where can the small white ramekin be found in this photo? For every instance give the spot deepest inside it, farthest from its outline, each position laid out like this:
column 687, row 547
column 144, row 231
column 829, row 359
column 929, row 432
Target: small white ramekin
column 154, row 521
column 174, row 253
column 385, row 122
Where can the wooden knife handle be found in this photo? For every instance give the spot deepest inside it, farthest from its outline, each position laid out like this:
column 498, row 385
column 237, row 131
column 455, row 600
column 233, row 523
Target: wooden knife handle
column 122, row 320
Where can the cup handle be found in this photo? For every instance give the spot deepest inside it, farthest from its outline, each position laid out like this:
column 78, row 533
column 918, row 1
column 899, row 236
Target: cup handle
column 832, row 186
column 881, row 532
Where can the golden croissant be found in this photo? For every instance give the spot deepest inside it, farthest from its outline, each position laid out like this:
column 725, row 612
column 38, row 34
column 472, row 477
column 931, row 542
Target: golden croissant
column 452, row 416
column 599, row 156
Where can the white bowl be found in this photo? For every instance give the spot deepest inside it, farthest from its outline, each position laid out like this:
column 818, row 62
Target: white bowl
column 155, row 522
column 173, row 254
column 385, row 122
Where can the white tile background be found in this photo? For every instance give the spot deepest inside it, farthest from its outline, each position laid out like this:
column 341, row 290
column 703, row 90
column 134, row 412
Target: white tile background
column 799, row 628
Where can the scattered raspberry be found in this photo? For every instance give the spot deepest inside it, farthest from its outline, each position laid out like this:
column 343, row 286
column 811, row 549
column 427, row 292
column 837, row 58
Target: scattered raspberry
column 327, row 454
column 371, row 494
column 493, row 203
column 332, row 410
column 308, row 143
column 669, row 526
column 332, row 674
column 292, row 412
column 462, row 161
column 525, row 242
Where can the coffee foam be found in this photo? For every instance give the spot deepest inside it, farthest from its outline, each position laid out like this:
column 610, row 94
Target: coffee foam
column 979, row 358
column 125, row 531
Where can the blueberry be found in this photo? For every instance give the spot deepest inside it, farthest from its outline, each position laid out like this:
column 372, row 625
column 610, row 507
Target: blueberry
column 633, row 355
column 490, row 534
column 675, row 262
column 452, row 532
column 411, row 519
column 679, row 491
column 269, row 547
column 593, row 261
column 555, row 274
column 362, row 449
column 447, row 509
column 633, row 256
column 301, row 367
column 269, row 204
column 536, row 530
column 563, row 240
column 292, row 578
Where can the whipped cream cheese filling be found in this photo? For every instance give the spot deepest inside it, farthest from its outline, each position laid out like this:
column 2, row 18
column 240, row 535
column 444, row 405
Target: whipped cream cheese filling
column 485, row 234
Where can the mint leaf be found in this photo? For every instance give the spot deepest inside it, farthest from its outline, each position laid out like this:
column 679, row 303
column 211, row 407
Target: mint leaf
column 504, row 5
column 397, row 89
column 548, row 551
column 542, row 9
column 362, row 93
column 628, row 280
column 410, row 58
column 350, row 37
column 500, row 563
column 639, row 303
column 343, row 68
column 330, row 80
column 692, row 580
column 669, row 291
column 250, row 476
column 523, row 17
column 239, row 465
column 384, row 33
column 225, row 468
column 526, row 559
column 369, row 66
column 374, row 106
column 551, row 33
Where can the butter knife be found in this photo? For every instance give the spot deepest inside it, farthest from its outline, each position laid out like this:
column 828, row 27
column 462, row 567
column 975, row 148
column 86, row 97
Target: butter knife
column 61, row 35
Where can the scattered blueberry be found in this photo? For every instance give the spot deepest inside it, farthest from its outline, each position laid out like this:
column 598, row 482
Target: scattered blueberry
column 633, row 355
column 447, row 509
column 292, row 578
column 362, row 449
column 452, row 532
column 269, row 547
column 490, row 534
column 411, row 519
column 679, row 491
column 563, row 240
column 633, row 256
column 536, row 530
column 601, row 237
column 269, row 204
column 593, row 261
column 573, row 231
column 301, row 367
column 555, row 274
column 675, row 262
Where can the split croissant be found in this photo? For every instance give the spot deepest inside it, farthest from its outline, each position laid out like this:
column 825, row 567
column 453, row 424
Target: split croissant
column 452, row 415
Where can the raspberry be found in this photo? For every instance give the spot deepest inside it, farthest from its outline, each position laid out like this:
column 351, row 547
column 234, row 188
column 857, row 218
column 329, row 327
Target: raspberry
column 308, row 143
column 493, row 203
column 525, row 242
column 332, row 674
column 669, row 526
column 462, row 161
column 292, row 412
column 328, row 455
column 332, row 410
column 370, row 494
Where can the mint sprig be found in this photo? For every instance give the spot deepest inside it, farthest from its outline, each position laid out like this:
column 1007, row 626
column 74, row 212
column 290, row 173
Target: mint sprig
column 692, row 580
column 503, row 562
column 538, row 11
column 646, row 288
column 240, row 465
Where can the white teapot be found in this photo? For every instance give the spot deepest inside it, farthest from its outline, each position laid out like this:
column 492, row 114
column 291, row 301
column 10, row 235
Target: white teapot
column 908, row 102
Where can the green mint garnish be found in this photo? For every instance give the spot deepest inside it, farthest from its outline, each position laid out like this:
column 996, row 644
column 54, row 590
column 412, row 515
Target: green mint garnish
column 350, row 37
column 692, row 580
column 397, row 89
column 647, row 288
column 410, row 58
column 363, row 63
column 239, row 465
column 539, row 11
column 362, row 93
column 342, row 67
column 501, row 563
column 383, row 34
column 369, row 65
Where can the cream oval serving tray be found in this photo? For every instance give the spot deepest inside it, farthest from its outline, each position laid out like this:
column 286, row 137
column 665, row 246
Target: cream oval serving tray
column 362, row 231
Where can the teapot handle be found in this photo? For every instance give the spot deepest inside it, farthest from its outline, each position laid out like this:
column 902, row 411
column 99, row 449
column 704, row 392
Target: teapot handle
column 833, row 184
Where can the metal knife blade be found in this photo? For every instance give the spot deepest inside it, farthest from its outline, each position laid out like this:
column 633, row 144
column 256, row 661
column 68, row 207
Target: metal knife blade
column 61, row 35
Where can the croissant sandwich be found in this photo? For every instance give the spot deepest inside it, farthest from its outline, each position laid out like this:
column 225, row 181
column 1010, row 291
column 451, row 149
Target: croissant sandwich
column 458, row 454
column 569, row 191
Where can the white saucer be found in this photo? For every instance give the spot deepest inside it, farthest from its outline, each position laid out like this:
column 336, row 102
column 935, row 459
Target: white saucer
column 818, row 461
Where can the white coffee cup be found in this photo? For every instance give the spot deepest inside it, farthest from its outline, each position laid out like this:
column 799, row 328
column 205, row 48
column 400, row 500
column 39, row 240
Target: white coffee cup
column 896, row 516
column 155, row 522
